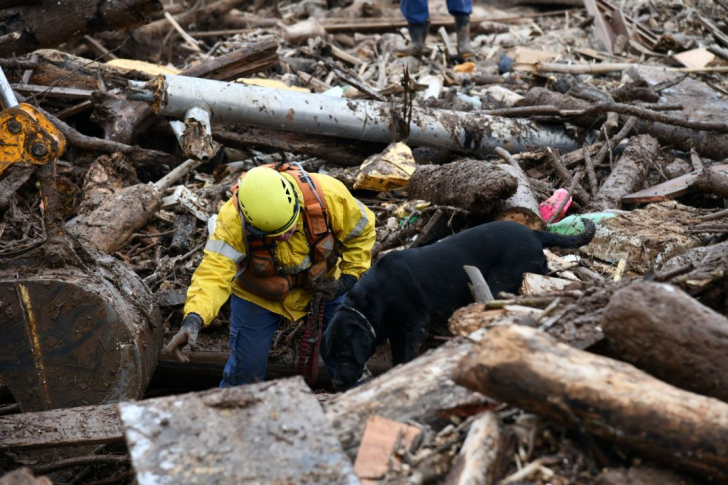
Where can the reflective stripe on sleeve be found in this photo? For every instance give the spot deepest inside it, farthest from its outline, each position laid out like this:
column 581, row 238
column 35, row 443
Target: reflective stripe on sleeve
column 359, row 225
column 224, row 249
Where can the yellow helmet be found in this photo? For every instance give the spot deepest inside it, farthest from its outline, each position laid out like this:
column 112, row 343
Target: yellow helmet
column 268, row 201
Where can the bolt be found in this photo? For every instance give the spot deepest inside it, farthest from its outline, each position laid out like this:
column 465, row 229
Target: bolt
column 39, row 150
column 14, row 127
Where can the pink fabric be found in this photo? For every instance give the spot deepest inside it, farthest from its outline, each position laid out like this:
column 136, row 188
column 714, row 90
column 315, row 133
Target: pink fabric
column 551, row 205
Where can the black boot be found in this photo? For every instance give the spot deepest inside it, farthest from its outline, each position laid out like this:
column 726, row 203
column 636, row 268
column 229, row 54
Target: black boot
column 418, row 34
column 462, row 28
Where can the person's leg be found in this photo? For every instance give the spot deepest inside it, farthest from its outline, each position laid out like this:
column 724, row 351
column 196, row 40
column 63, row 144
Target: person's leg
column 418, row 23
column 461, row 10
column 460, row 7
column 415, row 11
column 251, row 332
column 329, row 311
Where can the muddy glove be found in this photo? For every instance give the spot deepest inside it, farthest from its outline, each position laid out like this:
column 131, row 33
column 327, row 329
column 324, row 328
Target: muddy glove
column 191, row 326
column 332, row 289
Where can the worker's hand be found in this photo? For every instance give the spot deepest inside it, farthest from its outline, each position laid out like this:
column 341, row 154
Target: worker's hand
column 332, row 289
column 187, row 334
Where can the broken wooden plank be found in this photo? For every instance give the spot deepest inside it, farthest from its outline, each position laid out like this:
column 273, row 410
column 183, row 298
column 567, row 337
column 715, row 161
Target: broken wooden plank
column 52, row 92
column 272, row 432
column 608, row 398
column 86, row 425
column 481, row 459
column 671, row 189
column 536, row 284
column 247, row 60
column 380, row 441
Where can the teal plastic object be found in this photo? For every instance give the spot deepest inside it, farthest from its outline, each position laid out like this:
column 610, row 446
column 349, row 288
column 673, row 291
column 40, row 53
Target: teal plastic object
column 569, row 226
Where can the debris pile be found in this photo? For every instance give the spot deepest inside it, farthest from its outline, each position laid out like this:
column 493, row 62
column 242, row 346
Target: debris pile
column 607, row 370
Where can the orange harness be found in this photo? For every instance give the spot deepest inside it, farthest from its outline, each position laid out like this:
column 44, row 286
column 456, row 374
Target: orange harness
column 259, row 274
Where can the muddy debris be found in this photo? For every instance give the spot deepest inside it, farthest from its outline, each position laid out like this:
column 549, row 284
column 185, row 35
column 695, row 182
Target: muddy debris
column 605, row 369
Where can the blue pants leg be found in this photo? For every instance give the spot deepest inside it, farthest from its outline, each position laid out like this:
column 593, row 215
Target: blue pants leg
column 415, row 11
column 329, row 311
column 460, row 7
column 251, row 333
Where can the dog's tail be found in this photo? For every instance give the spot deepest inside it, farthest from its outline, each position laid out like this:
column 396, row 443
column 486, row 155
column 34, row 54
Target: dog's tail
column 550, row 239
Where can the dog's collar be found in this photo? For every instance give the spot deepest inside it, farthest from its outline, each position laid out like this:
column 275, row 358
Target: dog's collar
column 360, row 314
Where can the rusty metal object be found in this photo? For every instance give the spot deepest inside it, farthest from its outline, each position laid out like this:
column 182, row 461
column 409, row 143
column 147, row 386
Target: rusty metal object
column 84, row 332
column 272, row 432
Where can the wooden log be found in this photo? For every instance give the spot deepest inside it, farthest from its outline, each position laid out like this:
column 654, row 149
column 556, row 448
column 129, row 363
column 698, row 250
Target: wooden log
column 184, row 234
column 628, row 174
column 61, row 427
column 204, row 17
column 247, row 60
column 111, row 224
column 705, row 142
column 50, row 23
column 336, row 150
column 610, row 399
column 521, row 207
column 480, row 460
column 426, row 384
column 712, row 181
column 120, row 119
column 642, row 475
column 670, row 335
column 472, row 185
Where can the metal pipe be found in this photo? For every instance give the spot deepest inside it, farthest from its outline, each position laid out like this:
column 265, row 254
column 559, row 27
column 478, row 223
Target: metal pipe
column 7, row 96
column 346, row 118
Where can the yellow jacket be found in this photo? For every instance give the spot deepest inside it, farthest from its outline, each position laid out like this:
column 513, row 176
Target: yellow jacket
column 353, row 226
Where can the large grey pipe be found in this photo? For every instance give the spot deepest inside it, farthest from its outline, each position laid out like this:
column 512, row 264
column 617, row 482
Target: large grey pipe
column 346, row 118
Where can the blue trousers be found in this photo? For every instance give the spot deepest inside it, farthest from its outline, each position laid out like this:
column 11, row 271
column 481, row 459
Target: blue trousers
column 251, row 334
column 416, row 12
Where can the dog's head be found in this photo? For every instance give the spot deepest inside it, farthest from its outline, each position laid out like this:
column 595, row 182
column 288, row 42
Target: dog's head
column 349, row 341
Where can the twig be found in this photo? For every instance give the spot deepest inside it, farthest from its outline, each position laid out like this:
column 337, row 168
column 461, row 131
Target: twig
column 590, row 173
column 81, row 460
column 579, row 193
column 621, row 135
column 523, row 111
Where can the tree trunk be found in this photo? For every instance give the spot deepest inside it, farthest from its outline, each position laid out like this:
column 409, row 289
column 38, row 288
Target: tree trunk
column 120, row 119
column 50, row 23
column 521, row 207
column 628, row 175
column 111, row 224
column 605, row 397
column 470, row 184
column 418, row 391
column 670, row 335
column 203, row 17
column 712, row 182
column 705, row 142
column 341, row 151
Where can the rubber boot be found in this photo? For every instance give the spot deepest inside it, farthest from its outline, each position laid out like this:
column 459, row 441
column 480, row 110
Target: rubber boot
column 418, row 34
column 462, row 28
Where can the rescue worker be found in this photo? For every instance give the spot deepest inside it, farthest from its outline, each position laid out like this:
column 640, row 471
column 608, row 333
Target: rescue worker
column 418, row 23
column 300, row 232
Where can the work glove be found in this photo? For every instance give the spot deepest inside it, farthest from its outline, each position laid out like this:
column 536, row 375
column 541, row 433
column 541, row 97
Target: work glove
column 332, row 289
column 187, row 334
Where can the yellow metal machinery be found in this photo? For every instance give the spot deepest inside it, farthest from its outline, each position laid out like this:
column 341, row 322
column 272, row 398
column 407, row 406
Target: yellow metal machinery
column 77, row 327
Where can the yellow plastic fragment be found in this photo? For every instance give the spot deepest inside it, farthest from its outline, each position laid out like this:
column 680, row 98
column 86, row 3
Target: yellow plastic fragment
column 142, row 66
column 388, row 170
column 465, row 67
column 405, row 209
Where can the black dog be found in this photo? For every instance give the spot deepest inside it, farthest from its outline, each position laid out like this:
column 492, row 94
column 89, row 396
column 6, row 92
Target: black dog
column 407, row 291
